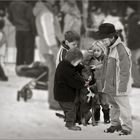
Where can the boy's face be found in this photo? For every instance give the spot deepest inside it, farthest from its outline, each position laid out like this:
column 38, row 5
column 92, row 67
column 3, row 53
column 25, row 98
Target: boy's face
column 75, row 63
column 106, row 42
column 72, row 45
column 97, row 51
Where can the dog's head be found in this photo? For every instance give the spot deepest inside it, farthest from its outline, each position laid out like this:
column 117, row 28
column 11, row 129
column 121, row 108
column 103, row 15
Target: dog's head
column 86, row 73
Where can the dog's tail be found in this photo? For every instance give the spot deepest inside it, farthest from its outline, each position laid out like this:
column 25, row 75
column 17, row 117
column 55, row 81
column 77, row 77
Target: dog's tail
column 60, row 115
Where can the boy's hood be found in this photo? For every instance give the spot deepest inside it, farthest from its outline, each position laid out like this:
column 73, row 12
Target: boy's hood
column 65, row 46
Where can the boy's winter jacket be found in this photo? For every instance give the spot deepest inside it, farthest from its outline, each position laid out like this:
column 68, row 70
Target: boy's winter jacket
column 118, row 74
column 67, row 81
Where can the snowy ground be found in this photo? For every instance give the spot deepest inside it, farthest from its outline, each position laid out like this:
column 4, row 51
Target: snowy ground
column 34, row 120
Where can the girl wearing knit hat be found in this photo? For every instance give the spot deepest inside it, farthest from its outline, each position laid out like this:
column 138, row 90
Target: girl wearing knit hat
column 98, row 64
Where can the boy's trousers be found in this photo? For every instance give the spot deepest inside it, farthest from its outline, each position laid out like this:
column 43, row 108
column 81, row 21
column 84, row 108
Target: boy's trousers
column 69, row 109
column 120, row 112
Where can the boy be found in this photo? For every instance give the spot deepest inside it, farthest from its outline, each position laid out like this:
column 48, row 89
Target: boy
column 118, row 80
column 66, row 84
column 71, row 41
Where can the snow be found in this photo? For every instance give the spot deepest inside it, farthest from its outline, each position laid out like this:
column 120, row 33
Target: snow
column 34, row 120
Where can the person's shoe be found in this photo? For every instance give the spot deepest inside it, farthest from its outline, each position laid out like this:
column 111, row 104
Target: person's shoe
column 106, row 121
column 75, row 128
column 136, row 85
column 112, row 129
column 55, row 107
column 4, row 78
column 124, row 132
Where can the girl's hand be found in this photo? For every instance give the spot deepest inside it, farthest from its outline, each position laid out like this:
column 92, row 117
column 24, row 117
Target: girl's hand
column 86, row 83
column 93, row 67
column 99, row 66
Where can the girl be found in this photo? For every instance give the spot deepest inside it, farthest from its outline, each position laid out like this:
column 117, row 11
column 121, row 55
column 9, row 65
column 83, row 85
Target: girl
column 98, row 63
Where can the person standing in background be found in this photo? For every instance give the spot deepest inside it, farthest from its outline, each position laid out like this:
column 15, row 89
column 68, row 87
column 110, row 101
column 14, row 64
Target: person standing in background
column 49, row 31
column 72, row 18
column 21, row 16
column 3, row 45
column 133, row 40
column 113, row 18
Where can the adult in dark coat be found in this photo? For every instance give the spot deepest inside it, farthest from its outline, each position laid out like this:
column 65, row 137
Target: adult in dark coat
column 133, row 29
column 20, row 14
column 66, row 84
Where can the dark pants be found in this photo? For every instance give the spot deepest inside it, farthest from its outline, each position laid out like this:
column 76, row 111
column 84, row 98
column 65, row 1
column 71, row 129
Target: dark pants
column 25, row 43
column 2, row 73
column 69, row 109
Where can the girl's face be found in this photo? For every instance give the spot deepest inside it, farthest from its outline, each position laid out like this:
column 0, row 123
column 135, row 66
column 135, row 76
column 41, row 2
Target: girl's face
column 97, row 51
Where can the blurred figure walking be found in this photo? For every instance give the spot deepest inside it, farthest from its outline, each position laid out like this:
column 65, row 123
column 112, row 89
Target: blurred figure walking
column 21, row 16
column 133, row 30
column 48, row 33
column 72, row 18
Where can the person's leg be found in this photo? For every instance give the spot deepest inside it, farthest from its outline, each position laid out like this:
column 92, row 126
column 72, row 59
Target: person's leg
column 105, row 107
column 114, row 116
column 77, row 104
column 20, row 48
column 125, row 112
column 49, row 60
column 97, row 108
column 29, row 48
column 3, row 77
column 135, row 71
column 114, row 111
column 69, row 109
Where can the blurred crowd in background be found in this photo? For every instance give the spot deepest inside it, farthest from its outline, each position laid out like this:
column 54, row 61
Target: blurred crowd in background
column 23, row 27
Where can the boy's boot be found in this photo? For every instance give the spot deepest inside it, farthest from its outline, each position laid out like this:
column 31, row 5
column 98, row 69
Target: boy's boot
column 124, row 132
column 75, row 128
column 97, row 114
column 112, row 129
column 72, row 126
column 106, row 113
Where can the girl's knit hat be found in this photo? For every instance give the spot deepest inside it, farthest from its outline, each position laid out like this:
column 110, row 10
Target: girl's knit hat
column 99, row 44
